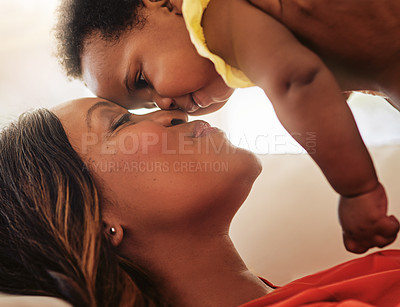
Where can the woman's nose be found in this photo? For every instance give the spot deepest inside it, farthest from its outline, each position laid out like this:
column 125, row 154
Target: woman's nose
column 167, row 118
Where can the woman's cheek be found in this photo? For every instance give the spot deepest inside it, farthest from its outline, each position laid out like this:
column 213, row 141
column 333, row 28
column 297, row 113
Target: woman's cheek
column 131, row 143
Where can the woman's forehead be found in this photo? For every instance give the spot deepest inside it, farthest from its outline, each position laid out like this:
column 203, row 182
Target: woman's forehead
column 77, row 114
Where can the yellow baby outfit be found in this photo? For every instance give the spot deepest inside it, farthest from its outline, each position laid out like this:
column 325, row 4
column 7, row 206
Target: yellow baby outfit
column 192, row 11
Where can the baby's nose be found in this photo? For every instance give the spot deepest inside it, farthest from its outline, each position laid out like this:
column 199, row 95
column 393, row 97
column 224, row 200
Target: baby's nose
column 166, row 103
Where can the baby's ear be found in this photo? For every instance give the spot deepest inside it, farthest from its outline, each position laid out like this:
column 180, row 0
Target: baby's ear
column 155, row 4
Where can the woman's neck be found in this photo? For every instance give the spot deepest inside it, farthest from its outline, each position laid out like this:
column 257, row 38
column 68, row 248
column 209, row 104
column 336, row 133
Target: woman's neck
column 201, row 271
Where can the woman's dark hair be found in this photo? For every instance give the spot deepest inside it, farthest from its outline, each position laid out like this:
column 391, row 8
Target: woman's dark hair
column 78, row 19
column 52, row 240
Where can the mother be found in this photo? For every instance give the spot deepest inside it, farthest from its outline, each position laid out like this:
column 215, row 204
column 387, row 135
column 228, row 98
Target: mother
column 77, row 222
column 96, row 208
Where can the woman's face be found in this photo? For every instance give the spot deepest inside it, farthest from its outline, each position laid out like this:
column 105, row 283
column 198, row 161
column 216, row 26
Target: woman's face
column 156, row 62
column 158, row 171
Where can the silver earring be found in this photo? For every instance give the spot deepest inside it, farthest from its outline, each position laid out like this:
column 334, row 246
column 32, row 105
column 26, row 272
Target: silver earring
column 113, row 231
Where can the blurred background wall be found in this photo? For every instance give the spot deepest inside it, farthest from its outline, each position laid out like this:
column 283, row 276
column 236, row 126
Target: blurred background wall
column 29, row 74
column 288, row 225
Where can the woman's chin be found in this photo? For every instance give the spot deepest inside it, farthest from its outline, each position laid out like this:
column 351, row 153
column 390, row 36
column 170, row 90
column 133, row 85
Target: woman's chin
column 254, row 166
column 244, row 164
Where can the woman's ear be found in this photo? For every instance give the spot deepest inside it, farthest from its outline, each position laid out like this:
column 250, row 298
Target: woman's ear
column 113, row 231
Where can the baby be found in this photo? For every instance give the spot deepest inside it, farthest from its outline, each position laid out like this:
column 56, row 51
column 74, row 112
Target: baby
column 133, row 52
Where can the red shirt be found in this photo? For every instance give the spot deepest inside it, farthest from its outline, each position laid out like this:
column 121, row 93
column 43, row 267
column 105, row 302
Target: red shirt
column 373, row 280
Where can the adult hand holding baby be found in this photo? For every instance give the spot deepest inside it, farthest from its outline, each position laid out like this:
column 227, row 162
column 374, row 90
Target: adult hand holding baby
column 365, row 222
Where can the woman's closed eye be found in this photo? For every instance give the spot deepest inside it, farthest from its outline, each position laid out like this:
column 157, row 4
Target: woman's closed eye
column 122, row 120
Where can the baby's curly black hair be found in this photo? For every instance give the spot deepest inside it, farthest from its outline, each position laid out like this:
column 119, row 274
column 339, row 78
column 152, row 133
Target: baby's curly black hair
column 78, row 19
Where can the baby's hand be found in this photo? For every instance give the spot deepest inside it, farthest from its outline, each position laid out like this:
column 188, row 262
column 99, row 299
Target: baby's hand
column 364, row 221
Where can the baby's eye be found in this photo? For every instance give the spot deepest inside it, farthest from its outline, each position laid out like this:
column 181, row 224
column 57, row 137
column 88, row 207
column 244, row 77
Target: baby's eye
column 141, row 81
column 122, row 120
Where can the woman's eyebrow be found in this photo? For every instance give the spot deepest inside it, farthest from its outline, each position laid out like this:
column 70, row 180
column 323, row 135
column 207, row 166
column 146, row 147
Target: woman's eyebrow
column 94, row 107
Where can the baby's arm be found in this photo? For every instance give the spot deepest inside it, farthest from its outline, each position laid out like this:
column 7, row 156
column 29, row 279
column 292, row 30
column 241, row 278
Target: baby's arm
column 306, row 99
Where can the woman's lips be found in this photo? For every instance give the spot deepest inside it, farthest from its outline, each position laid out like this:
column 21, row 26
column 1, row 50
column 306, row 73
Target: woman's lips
column 202, row 128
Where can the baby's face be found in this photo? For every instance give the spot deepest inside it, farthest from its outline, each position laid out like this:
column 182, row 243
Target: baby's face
column 155, row 63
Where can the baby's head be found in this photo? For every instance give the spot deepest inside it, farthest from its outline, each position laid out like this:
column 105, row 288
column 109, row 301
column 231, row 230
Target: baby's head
column 137, row 51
